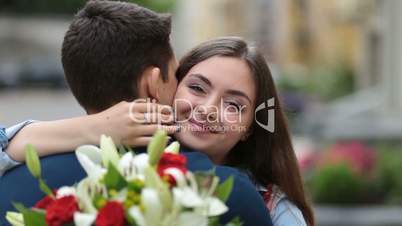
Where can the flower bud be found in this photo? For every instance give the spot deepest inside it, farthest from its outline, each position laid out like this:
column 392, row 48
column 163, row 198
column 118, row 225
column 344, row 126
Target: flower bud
column 156, row 147
column 32, row 161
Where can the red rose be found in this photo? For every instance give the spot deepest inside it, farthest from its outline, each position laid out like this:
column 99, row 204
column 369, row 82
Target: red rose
column 61, row 211
column 112, row 214
column 45, row 202
column 170, row 160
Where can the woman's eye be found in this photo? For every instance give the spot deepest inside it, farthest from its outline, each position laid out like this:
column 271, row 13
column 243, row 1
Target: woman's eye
column 197, row 88
column 234, row 105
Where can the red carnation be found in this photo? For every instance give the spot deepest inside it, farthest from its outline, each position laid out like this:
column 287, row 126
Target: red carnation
column 61, row 211
column 170, row 160
column 112, row 214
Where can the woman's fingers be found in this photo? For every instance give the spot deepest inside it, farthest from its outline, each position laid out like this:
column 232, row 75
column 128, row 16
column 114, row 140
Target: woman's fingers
column 140, row 141
column 147, row 118
column 139, row 107
column 149, row 130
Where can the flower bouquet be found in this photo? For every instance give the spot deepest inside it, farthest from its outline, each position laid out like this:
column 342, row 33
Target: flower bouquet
column 123, row 188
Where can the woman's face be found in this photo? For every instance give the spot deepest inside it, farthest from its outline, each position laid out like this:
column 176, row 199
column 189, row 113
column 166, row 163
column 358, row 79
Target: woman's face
column 215, row 104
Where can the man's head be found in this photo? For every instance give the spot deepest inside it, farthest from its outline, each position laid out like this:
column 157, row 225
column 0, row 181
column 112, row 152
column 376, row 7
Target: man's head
column 115, row 51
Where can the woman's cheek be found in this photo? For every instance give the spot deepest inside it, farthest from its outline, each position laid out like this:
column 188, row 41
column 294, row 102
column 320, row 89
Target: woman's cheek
column 238, row 123
column 231, row 118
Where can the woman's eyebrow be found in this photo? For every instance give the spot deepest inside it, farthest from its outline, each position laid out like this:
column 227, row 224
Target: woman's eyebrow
column 238, row 93
column 203, row 78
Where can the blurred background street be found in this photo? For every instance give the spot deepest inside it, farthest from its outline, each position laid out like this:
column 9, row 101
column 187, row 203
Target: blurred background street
column 337, row 64
column 38, row 104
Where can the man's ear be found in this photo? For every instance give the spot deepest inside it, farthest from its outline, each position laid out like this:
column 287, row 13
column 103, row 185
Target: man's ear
column 151, row 82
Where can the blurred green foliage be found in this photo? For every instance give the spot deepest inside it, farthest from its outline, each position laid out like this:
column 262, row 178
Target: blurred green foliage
column 389, row 175
column 69, row 6
column 336, row 184
column 339, row 184
column 327, row 82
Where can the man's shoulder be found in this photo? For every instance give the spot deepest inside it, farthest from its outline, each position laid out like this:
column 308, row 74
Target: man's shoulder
column 59, row 168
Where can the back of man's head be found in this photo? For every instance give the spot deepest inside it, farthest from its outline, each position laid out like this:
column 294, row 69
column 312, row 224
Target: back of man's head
column 107, row 48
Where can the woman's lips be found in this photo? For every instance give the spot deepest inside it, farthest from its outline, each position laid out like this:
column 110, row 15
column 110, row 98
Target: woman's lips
column 199, row 127
column 203, row 127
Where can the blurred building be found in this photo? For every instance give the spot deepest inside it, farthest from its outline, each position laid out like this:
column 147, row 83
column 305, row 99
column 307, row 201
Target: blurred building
column 300, row 35
column 374, row 111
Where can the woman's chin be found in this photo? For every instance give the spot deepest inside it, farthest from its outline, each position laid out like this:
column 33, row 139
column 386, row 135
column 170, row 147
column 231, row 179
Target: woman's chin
column 193, row 140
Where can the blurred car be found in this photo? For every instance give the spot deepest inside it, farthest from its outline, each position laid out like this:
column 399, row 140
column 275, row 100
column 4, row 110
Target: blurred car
column 38, row 71
column 42, row 71
column 9, row 74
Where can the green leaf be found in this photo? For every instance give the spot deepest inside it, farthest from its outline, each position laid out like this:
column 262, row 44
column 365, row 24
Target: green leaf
column 20, row 207
column 235, row 222
column 99, row 201
column 224, row 189
column 130, row 149
column 122, row 150
column 32, row 217
column 213, row 221
column 129, row 218
column 157, row 146
column 43, row 187
column 113, row 179
column 32, row 161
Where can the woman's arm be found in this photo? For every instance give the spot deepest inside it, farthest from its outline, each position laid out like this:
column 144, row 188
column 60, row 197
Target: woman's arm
column 65, row 135
column 52, row 137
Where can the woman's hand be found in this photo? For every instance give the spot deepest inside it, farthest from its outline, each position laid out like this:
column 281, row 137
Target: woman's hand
column 133, row 123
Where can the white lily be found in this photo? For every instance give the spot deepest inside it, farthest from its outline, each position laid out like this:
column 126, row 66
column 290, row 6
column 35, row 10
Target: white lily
column 65, row 191
column 89, row 157
column 137, row 215
column 109, row 151
column 177, row 175
column 192, row 219
column 126, row 167
column 92, row 151
column 15, row 219
column 171, row 216
column 153, row 181
column 86, row 189
column 214, row 207
column 141, row 162
column 203, row 202
column 131, row 166
column 153, row 207
column 187, row 197
column 84, row 219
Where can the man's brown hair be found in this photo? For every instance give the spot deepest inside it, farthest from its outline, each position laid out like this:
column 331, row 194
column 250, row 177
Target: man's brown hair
column 108, row 46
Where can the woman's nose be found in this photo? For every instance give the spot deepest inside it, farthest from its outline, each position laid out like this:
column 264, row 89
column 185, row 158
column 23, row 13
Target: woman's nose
column 209, row 109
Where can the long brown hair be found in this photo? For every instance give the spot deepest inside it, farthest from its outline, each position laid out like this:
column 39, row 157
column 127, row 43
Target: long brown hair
column 269, row 156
